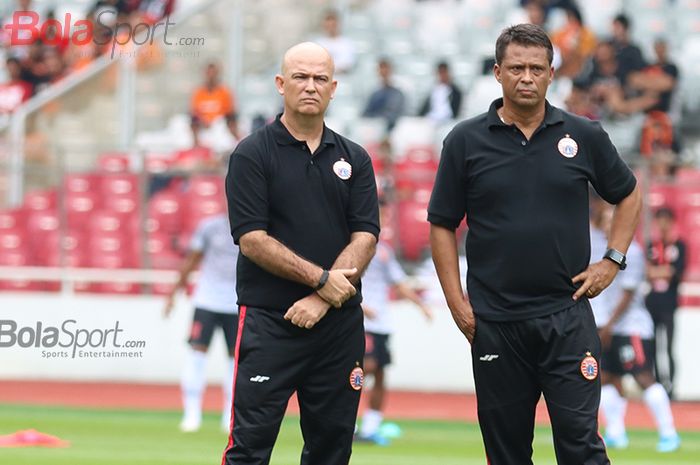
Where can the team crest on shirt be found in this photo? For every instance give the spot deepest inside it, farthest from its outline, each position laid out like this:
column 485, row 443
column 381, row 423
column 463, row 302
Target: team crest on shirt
column 567, row 146
column 589, row 367
column 342, row 169
column 357, row 378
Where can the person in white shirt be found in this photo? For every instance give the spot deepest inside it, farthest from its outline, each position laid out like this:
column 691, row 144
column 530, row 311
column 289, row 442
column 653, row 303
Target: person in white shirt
column 214, row 300
column 383, row 273
column 341, row 48
column 627, row 336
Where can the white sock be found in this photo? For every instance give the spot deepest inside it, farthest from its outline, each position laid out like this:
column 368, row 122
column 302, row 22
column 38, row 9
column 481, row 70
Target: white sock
column 657, row 401
column 614, row 407
column 227, row 393
column 371, row 421
column 193, row 382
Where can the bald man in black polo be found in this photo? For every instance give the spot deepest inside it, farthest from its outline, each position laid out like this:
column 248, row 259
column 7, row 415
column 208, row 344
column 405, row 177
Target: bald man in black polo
column 303, row 208
column 520, row 173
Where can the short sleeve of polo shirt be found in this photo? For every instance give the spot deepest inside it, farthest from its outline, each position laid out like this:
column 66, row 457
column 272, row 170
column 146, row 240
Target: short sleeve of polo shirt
column 363, row 209
column 612, row 179
column 448, row 199
column 247, row 195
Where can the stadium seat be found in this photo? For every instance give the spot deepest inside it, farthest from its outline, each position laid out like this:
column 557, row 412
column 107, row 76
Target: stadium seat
column 40, row 200
column 120, row 185
column 79, row 183
column 200, row 208
column 414, row 230
column 111, row 260
column 79, row 207
column 12, row 219
column 661, row 195
column 105, row 221
column 165, row 212
column 688, row 197
column 113, row 162
column 16, row 256
column 206, row 186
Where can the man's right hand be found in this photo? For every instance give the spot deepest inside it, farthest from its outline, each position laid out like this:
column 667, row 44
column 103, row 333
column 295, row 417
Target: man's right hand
column 338, row 288
column 463, row 314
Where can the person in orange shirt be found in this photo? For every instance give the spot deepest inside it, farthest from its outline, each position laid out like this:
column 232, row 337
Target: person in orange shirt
column 210, row 101
column 576, row 43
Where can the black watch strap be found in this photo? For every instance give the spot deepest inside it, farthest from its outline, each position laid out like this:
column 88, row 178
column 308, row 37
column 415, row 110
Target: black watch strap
column 617, row 257
column 324, row 279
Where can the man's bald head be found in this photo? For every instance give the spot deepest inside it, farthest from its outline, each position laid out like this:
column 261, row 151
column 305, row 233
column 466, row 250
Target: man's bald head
column 309, row 52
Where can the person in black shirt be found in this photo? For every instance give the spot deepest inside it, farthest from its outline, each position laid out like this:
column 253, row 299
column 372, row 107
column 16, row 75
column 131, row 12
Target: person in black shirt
column 303, row 207
column 666, row 259
column 521, row 173
column 629, row 56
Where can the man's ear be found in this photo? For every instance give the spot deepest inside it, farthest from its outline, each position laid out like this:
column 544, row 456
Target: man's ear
column 279, row 83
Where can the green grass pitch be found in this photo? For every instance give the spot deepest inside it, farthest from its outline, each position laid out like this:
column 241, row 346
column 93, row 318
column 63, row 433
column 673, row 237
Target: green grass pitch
column 131, row 437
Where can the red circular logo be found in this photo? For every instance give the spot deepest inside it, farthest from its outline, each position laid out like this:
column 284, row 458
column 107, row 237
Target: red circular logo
column 589, row 368
column 357, row 378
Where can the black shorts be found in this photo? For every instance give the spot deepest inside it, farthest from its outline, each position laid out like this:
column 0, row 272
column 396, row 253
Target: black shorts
column 205, row 322
column 516, row 362
column 377, row 348
column 628, row 355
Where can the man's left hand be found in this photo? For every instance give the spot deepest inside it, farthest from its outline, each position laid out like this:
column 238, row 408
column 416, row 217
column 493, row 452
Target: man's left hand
column 595, row 279
column 308, row 311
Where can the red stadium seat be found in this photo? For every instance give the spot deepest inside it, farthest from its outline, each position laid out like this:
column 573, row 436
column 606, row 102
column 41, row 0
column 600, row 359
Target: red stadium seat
column 112, row 260
column 422, row 154
column 200, row 208
column 113, row 162
column 106, row 221
column 206, row 186
column 661, row 195
column 79, row 183
column 688, row 197
column 120, row 185
column 13, row 219
column 17, row 256
column 165, row 212
column 414, row 230
column 79, row 208
column 40, row 200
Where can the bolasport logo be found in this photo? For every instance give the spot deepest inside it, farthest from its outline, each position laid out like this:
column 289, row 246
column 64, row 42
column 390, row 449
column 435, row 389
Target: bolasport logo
column 69, row 340
column 24, row 29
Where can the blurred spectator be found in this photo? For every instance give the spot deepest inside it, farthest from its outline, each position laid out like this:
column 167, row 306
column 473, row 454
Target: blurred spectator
column 16, row 50
column 341, row 48
column 575, row 42
column 579, row 101
column 660, row 78
column 445, row 99
column 606, row 87
column 666, row 256
column 53, row 37
column 387, row 102
column 153, row 10
column 660, row 144
column 15, row 90
column 34, row 69
column 535, row 13
column 210, row 101
column 629, row 56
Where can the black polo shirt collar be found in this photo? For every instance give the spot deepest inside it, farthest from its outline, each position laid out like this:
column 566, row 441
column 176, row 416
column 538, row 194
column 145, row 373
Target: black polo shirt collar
column 552, row 115
column 284, row 137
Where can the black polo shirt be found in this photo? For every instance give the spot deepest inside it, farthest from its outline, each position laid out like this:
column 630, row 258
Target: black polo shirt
column 309, row 202
column 527, row 206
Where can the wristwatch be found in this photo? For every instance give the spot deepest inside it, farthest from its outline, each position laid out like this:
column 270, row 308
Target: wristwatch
column 617, row 257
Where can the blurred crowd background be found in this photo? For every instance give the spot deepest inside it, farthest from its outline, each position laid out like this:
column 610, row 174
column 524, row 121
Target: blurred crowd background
column 112, row 151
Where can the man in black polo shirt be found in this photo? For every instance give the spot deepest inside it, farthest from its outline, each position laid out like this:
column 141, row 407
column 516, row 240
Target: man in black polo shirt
column 303, row 207
column 520, row 172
